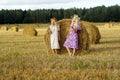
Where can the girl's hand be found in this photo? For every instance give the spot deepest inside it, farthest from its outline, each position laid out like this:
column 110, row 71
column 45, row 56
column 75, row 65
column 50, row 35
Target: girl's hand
column 75, row 30
column 50, row 32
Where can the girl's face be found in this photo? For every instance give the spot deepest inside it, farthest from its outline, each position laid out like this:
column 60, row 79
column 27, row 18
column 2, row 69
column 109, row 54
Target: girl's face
column 52, row 22
column 73, row 20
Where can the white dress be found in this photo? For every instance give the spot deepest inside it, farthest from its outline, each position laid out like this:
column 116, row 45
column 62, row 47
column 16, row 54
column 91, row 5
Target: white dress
column 54, row 37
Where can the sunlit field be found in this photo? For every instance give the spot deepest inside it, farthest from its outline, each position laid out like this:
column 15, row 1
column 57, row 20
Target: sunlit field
column 26, row 58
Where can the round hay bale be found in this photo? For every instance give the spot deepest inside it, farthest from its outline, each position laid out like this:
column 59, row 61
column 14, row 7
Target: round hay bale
column 108, row 25
column 118, row 24
column 30, row 31
column 14, row 29
column 38, row 24
column 64, row 30
column 4, row 28
column 93, row 32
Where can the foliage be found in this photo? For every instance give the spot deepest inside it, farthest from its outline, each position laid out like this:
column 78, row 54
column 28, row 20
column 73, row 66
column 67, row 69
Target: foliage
column 96, row 14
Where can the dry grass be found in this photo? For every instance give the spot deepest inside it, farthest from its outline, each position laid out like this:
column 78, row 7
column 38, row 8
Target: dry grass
column 14, row 29
column 4, row 28
column 93, row 32
column 108, row 25
column 30, row 31
column 25, row 58
column 65, row 27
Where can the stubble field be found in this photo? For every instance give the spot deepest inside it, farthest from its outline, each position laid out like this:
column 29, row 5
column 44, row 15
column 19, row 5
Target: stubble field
column 26, row 58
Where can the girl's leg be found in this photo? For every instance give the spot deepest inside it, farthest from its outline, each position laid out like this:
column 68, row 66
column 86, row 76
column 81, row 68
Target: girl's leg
column 53, row 50
column 73, row 52
column 68, row 51
column 56, row 51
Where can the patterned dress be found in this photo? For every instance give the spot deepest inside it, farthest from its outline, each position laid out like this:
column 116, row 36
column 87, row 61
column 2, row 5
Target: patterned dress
column 54, row 37
column 72, row 39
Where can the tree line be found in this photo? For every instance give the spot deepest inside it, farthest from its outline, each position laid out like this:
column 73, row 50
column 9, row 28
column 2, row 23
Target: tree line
column 96, row 14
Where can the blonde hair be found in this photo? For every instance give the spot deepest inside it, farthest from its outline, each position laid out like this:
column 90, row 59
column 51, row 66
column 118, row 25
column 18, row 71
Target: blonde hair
column 76, row 18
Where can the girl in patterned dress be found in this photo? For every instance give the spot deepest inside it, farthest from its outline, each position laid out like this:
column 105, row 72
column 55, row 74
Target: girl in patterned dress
column 72, row 38
column 54, row 37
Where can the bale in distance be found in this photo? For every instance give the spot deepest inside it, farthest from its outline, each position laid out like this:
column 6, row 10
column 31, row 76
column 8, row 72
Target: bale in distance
column 118, row 24
column 93, row 32
column 38, row 24
column 4, row 28
column 30, row 31
column 64, row 30
column 108, row 25
column 14, row 29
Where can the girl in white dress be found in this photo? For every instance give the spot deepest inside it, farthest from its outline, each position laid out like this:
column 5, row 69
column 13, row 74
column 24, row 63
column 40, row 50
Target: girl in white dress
column 54, row 37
